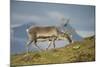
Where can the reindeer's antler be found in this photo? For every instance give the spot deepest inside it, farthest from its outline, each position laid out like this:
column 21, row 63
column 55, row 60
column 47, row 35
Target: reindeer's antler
column 65, row 21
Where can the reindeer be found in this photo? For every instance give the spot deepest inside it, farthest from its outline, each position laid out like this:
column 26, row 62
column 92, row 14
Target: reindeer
column 48, row 33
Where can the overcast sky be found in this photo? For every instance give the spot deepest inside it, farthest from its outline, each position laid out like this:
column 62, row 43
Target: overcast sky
column 82, row 18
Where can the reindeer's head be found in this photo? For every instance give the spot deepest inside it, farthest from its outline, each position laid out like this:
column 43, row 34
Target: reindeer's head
column 64, row 36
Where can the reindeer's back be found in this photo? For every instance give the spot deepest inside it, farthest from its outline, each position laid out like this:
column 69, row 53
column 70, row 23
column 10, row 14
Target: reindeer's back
column 43, row 31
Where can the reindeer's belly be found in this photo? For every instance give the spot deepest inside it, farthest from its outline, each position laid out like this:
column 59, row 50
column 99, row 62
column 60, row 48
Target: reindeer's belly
column 44, row 38
column 46, row 34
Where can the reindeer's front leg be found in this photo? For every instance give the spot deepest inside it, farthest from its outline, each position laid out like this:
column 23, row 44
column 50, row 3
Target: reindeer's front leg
column 54, row 43
column 69, row 39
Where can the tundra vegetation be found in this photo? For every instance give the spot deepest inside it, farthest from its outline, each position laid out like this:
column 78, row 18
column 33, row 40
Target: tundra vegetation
column 79, row 51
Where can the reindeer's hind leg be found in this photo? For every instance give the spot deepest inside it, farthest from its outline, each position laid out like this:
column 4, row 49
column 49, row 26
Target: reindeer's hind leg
column 27, row 45
column 49, row 45
column 35, row 43
column 54, row 41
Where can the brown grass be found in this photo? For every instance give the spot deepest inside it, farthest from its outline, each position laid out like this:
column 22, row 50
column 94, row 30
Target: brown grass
column 83, row 51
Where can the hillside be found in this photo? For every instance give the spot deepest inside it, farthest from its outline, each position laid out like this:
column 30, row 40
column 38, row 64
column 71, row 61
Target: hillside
column 83, row 51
